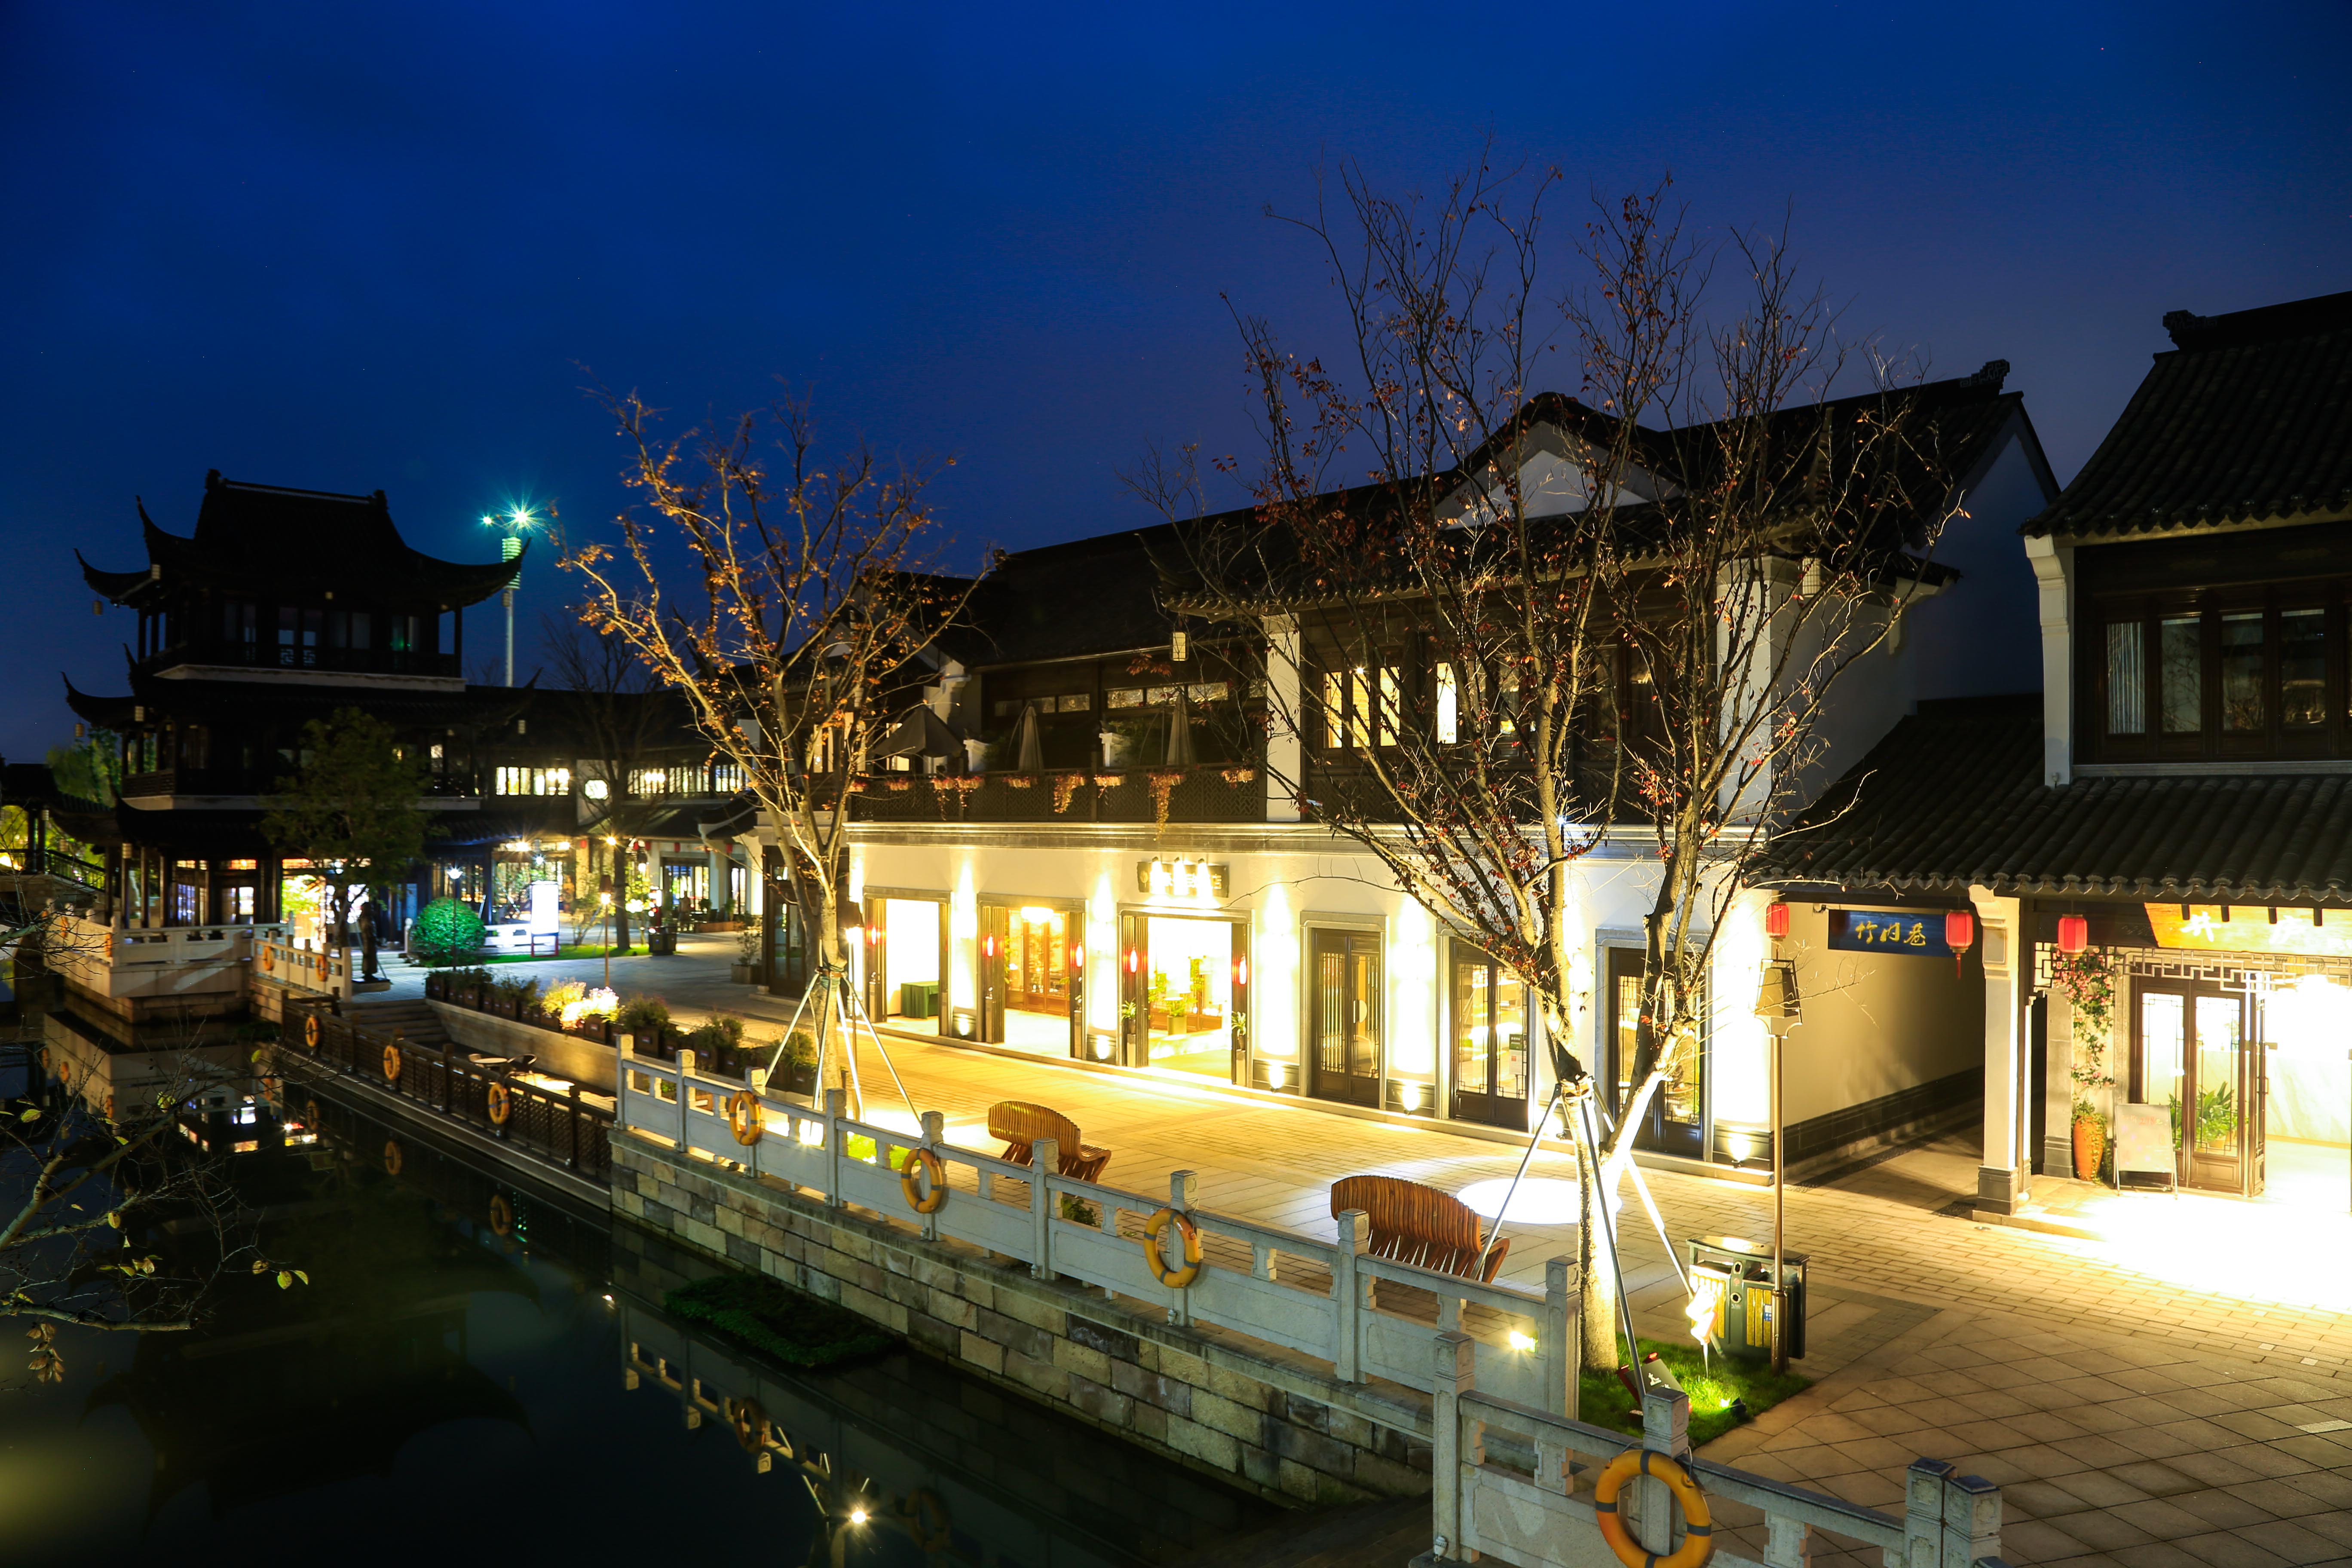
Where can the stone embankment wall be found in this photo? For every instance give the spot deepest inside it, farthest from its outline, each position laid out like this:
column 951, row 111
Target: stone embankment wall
column 1280, row 1425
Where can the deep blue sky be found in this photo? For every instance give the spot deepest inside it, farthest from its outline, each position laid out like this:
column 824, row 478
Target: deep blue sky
column 355, row 247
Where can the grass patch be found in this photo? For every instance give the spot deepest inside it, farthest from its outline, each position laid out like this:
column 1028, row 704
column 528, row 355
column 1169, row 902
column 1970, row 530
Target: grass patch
column 1603, row 1401
column 794, row 1327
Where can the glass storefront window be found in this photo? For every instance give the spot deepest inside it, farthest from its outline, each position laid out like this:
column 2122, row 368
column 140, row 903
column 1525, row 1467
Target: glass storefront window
column 1037, row 980
column 1189, row 992
column 913, row 993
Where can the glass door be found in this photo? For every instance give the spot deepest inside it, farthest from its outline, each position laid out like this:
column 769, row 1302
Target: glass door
column 2191, row 1056
column 1489, row 1022
column 1346, row 1017
column 1674, row 1120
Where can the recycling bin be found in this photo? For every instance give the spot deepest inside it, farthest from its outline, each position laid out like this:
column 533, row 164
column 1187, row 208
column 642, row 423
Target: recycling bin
column 1739, row 1274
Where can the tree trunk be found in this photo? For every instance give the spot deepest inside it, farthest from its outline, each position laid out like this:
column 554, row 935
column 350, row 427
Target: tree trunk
column 1596, row 1272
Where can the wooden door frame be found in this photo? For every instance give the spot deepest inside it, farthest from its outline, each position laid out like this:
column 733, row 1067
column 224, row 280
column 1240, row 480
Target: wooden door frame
column 1073, row 920
column 2250, row 1062
column 1309, row 1061
column 1604, row 1064
column 1455, row 950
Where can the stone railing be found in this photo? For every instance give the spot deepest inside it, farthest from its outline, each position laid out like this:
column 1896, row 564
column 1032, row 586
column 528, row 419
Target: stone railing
column 1296, row 1292
column 303, row 967
column 1513, row 1485
column 167, row 964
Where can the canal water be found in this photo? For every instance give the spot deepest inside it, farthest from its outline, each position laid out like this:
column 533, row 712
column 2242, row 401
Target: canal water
column 475, row 1376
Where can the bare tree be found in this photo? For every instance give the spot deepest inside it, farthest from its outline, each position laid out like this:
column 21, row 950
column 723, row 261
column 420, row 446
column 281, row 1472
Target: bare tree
column 784, row 598
column 84, row 1196
column 1503, row 623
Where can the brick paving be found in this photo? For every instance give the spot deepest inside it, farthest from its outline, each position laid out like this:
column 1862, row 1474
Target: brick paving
column 2167, row 1395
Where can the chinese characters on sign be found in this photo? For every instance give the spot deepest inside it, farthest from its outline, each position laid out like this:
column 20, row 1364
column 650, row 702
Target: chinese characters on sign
column 1916, row 931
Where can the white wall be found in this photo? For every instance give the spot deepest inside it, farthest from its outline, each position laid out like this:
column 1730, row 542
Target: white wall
column 1983, row 637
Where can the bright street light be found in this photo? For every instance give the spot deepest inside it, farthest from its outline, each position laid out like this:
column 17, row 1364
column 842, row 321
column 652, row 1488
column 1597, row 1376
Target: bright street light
column 516, row 523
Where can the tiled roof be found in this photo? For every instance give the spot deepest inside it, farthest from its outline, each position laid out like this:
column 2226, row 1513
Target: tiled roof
column 2248, row 418
column 1954, row 796
column 304, row 542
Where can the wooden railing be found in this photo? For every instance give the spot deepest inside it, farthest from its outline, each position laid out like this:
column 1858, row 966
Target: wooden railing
column 1296, row 1292
column 1508, row 1483
column 572, row 1130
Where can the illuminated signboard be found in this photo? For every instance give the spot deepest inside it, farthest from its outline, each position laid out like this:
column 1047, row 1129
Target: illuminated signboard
column 1180, row 879
column 1919, row 933
column 2249, row 928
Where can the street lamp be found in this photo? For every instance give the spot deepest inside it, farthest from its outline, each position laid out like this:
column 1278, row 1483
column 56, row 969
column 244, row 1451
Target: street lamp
column 515, row 524
column 1781, row 1007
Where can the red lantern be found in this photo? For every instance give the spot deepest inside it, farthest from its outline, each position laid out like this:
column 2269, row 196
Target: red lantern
column 1776, row 920
column 1077, row 957
column 2074, row 934
column 1134, row 960
column 1241, row 972
column 1959, row 935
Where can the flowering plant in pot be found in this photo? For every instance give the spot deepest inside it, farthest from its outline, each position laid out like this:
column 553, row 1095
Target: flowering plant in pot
column 2087, row 981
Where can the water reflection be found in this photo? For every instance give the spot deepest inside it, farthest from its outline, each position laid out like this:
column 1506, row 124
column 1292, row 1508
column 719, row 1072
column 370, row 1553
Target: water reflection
column 476, row 1375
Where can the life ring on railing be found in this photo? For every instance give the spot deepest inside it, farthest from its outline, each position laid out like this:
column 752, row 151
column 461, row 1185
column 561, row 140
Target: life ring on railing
column 273, row 1089
column 393, row 1159
column 311, row 1115
column 743, row 1117
column 501, row 1214
column 110, row 1105
column 391, row 1063
column 751, row 1425
column 1698, row 1522
column 43, row 1060
column 928, row 1520
column 310, row 1030
column 923, row 1161
column 269, row 958
column 1175, row 1279
column 501, row 1104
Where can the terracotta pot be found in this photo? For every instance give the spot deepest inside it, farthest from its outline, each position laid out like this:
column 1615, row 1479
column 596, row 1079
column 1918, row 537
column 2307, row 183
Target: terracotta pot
column 2090, row 1146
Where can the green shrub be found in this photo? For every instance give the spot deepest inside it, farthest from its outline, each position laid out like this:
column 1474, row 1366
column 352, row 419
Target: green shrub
column 794, row 1327
column 726, row 1029
column 523, row 992
column 642, row 1014
column 446, row 932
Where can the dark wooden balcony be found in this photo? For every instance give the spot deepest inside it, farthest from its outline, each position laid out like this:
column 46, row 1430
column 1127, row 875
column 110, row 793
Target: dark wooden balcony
column 1210, row 791
column 271, row 655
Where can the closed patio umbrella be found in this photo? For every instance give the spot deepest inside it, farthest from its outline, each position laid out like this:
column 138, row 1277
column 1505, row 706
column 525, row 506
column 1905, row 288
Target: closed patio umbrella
column 1180, row 733
column 921, row 733
column 1028, row 744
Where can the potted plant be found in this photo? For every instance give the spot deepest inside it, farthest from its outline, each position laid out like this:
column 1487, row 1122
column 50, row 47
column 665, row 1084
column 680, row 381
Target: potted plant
column 795, row 1071
column 2087, row 981
column 647, row 1019
column 744, row 971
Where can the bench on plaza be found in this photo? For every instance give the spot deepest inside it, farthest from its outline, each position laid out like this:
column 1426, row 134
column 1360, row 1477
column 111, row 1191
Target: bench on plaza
column 1021, row 1124
column 1418, row 1224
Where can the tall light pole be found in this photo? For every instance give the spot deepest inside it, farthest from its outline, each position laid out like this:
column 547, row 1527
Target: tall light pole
column 515, row 524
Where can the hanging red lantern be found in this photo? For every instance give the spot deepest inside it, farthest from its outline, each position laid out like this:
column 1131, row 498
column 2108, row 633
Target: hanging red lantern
column 1077, row 957
column 1959, row 935
column 1776, row 920
column 2074, row 934
column 1134, row 960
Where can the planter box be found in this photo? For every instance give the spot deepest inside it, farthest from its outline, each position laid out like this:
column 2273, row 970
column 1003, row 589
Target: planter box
column 662, row 943
column 795, row 1077
column 740, row 973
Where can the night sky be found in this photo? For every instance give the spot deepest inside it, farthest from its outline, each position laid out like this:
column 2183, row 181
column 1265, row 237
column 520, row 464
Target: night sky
column 357, row 246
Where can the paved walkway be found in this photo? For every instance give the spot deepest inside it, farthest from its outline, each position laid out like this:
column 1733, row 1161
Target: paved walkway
column 2175, row 1392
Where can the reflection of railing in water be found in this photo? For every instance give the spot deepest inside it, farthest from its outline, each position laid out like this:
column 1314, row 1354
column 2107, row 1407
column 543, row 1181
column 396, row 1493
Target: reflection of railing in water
column 965, row 1473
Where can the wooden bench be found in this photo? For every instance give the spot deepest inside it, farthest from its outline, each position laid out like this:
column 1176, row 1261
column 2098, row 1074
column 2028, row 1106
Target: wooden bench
column 1021, row 1124
column 1418, row 1224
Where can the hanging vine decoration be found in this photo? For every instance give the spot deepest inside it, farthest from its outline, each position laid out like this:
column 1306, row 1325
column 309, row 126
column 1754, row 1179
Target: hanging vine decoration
column 1065, row 785
column 2087, row 981
column 1164, row 785
column 1239, row 775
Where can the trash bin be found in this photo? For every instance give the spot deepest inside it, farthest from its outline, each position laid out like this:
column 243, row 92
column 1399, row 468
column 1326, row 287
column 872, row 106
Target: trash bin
column 1740, row 1273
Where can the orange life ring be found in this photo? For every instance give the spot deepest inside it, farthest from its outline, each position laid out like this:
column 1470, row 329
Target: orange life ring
column 501, row 1104
column 268, row 957
column 310, row 1031
column 1698, row 1522
column 393, row 1159
column 501, row 1214
column 1175, row 1279
column 391, row 1064
column 110, row 1105
column 311, row 1115
column 273, row 1088
column 926, row 1162
column 744, row 1118
column 751, row 1425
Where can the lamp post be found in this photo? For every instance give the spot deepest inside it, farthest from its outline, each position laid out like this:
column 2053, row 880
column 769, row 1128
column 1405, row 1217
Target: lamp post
column 1778, row 1003
column 515, row 524
column 606, row 897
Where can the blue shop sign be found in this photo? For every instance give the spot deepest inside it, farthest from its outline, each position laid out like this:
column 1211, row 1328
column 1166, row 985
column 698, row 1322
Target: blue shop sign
column 1916, row 931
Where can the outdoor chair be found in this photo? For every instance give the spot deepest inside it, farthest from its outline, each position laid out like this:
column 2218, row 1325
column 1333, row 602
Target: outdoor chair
column 1021, row 1124
column 1418, row 1225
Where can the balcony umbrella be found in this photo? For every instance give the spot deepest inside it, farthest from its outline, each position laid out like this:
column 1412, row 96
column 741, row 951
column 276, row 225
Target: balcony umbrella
column 1180, row 733
column 1028, row 744
column 921, row 733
